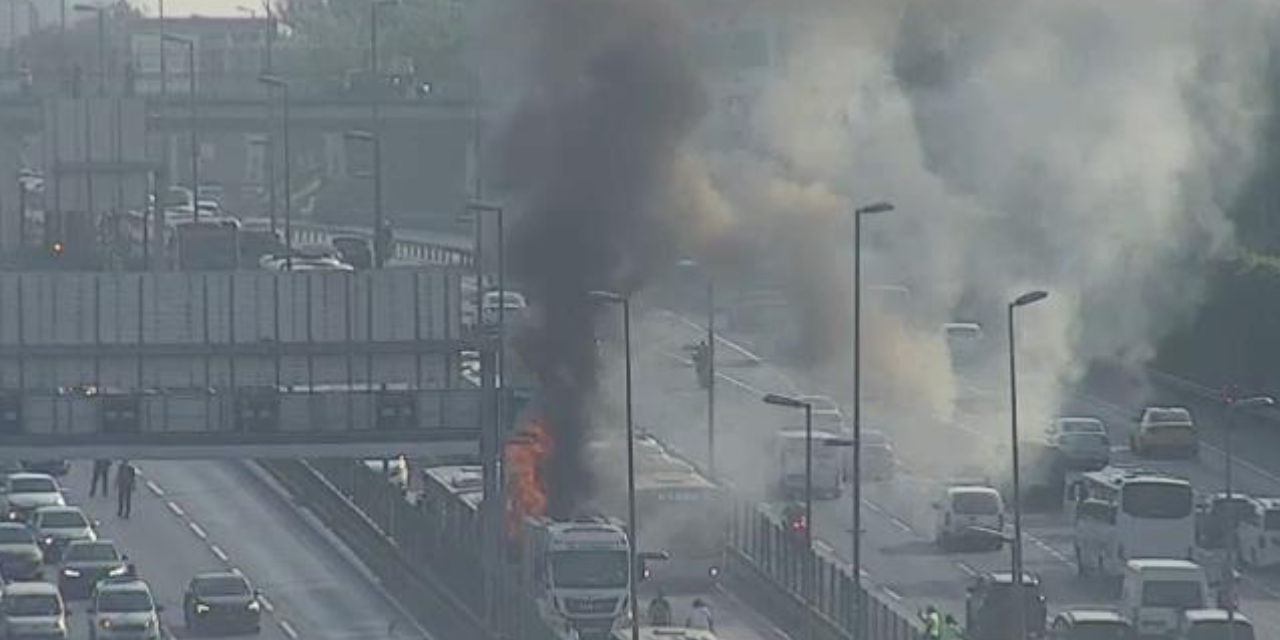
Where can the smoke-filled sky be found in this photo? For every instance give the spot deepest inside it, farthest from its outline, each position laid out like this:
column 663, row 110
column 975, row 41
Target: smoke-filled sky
column 1086, row 147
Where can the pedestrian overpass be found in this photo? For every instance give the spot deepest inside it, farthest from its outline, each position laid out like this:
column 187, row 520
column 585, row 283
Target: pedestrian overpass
column 236, row 364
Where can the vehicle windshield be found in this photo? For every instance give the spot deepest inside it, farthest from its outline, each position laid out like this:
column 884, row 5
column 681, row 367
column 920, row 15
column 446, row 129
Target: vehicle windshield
column 1180, row 594
column 1080, row 426
column 125, row 601
column 32, row 605
column 1084, row 439
column 15, row 535
column 589, row 569
column 1157, row 500
column 32, row 485
column 222, row 586
column 1168, row 416
column 1217, row 630
column 91, row 552
column 62, row 520
column 982, row 503
column 1098, row 631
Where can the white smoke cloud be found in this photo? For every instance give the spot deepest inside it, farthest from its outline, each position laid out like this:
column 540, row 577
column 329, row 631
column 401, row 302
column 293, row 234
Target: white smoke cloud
column 1087, row 147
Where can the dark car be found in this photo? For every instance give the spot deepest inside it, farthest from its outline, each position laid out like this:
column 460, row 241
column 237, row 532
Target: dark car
column 990, row 607
column 1091, row 624
column 85, row 562
column 1213, row 518
column 354, row 250
column 20, row 556
column 56, row 468
column 221, row 602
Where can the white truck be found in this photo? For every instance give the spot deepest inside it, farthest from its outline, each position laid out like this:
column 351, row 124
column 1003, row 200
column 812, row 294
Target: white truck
column 579, row 572
column 827, row 466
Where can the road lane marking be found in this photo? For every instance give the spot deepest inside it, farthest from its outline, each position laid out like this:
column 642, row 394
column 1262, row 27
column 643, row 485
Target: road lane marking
column 888, row 591
column 266, row 604
column 217, row 551
column 288, row 629
column 967, row 569
column 177, row 511
column 901, row 525
column 200, row 533
column 155, row 488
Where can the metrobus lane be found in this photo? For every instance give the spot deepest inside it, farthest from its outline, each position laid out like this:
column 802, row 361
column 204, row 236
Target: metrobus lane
column 900, row 559
column 1259, row 592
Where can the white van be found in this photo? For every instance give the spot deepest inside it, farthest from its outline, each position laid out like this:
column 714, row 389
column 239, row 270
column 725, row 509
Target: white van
column 1260, row 534
column 828, row 463
column 1214, row 624
column 971, row 513
column 1156, row 594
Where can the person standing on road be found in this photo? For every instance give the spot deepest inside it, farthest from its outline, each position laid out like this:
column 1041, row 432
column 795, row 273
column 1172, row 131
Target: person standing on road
column 701, row 617
column 126, row 478
column 101, row 474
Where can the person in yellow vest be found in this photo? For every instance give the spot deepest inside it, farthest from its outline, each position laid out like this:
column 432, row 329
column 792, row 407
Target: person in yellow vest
column 932, row 623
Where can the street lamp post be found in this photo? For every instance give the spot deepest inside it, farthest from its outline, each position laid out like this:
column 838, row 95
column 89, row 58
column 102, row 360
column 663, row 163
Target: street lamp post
column 1020, row 614
column 1228, row 574
column 619, row 299
column 190, row 44
column 711, row 366
column 101, row 10
column 806, row 566
column 856, row 477
column 375, row 140
column 283, row 85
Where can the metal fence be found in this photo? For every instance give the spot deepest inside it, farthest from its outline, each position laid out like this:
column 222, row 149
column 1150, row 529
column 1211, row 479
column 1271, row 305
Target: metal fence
column 425, row 541
column 403, row 249
column 766, row 566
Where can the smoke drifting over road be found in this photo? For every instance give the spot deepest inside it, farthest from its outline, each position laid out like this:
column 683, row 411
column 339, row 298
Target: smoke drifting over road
column 593, row 158
column 1086, row 147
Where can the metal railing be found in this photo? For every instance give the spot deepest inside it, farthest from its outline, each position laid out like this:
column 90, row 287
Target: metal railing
column 765, row 565
column 452, row 558
column 439, row 253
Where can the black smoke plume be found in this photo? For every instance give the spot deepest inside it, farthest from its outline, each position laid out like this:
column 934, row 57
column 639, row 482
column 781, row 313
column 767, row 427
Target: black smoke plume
column 590, row 156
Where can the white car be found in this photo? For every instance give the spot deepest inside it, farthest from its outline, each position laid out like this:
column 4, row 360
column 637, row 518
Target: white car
column 1156, row 592
column 1074, row 424
column 33, row 610
column 123, row 609
column 55, row 527
column 969, row 513
column 23, row 493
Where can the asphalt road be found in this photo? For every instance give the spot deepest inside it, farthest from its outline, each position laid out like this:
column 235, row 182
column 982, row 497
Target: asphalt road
column 900, row 561
column 195, row 516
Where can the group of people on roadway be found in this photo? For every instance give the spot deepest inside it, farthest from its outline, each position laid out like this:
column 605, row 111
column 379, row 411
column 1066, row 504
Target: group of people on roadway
column 699, row 618
column 940, row 626
column 126, row 480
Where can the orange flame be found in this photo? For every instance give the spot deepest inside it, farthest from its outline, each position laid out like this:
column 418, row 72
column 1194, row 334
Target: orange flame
column 526, row 452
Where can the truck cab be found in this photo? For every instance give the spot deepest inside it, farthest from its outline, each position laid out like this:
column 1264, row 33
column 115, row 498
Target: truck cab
column 581, row 571
column 990, row 607
column 827, row 466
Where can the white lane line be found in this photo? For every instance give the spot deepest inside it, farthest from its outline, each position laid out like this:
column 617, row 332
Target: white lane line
column 875, row 507
column 195, row 528
column 723, row 376
column 891, row 593
column 1057, row 555
column 288, row 629
column 217, row 551
column 967, row 569
column 901, row 525
column 177, row 511
column 1260, row 586
column 266, row 604
column 155, row 488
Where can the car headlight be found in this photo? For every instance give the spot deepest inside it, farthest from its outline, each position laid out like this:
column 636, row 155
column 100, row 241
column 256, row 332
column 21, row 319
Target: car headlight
column 105, row 623
column 118, row 571
column 47, row 541
column 71, row 573
column 61, row 624
column 202, row 607
column 254, row 606
column 151, row 622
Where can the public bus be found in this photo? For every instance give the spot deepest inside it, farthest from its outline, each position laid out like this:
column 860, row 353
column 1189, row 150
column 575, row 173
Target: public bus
column 453, row 494
column 1126, row 513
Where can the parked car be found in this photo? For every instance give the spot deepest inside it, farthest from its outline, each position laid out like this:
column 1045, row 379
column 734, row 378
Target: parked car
column 1164, row 429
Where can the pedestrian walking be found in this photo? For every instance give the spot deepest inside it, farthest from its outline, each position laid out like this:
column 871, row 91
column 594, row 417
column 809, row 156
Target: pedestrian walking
column 101, row 475
column 126, row 478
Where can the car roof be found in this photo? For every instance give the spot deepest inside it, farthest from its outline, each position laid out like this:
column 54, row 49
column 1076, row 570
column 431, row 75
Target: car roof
column 1268, row 503
column 1211, row 615
column 54, row 508
column 99, row 541
column 29, row 589
column 1006, row 577
column 1088, row 419
column 1163, row 563
column 123, row 584
column 971, row 488
column 30, row 476
column 1093, row 615
column 218, row 575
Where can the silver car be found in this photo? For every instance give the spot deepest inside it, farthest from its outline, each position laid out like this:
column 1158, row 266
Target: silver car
column 123, row 609
column 20, row 556
column 22, row 493
column 54, row 527
column 33, row 610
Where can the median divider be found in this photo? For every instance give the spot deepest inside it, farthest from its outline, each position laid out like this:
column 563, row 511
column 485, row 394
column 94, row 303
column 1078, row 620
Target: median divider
column 765, row 567
column 422, row 591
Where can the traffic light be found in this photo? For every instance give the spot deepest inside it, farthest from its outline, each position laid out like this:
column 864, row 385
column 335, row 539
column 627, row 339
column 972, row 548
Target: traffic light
column 795, row 520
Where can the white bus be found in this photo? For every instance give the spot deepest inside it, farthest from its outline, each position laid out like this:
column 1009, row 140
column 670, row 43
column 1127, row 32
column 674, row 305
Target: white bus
column 1124, row 513
column 1260, row 534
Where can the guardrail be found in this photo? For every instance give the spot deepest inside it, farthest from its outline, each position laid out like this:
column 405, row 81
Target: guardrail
column 765, row 565
column 451, row 561
column 439, row 253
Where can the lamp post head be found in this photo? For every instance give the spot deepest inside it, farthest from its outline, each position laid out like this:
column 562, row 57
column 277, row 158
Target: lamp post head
column 878, row 207
column 87, row 7
column 357, row 134
column 607, row 296
column 272, row 80
column 784, row 401
column 482, row 206
column 1031, row 297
